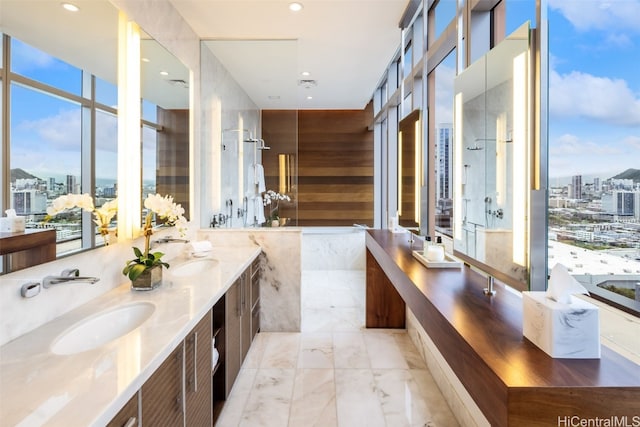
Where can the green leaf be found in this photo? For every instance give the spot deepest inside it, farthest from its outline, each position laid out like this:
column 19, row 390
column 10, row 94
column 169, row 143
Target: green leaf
column 135, row 271
column 137, row 252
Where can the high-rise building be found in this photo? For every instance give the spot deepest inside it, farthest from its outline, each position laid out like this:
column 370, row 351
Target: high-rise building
column 444, row 177
column 596, row 184
column 71, row 184
column 575, row 191
column 28, row 201
column 623, row 203
column 52, row 184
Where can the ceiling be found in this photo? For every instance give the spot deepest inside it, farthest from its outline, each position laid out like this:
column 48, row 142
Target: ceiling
column 345, row 45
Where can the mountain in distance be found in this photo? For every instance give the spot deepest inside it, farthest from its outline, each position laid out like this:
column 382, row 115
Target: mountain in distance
column 21, row 174
column 633, row 174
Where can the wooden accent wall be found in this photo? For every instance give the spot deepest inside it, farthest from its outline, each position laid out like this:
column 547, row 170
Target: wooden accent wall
column 172, row 163
column 334, row 163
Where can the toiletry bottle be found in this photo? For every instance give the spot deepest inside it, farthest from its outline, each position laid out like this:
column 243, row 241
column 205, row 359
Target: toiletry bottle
column 425, row 248
column 440, row 245
column 435, row 252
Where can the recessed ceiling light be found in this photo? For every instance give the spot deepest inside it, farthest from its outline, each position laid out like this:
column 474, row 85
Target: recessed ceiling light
column 145, row 60
column 309, row 97
column 305, row 73
column 70, row 7
column 164, row 73
column 295, row 6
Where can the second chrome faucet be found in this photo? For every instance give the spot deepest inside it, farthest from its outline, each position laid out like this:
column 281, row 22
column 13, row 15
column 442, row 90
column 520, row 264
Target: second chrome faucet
column 68, row 275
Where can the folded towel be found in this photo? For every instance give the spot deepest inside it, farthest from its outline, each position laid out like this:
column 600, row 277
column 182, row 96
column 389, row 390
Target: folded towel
column 201, row 246
column 259, row 178
column 214, row 354
column 259, row 207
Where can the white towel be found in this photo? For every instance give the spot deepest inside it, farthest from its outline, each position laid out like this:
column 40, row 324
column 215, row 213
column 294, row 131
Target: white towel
column 259, row 207
column 259, row 178
column 200, row 247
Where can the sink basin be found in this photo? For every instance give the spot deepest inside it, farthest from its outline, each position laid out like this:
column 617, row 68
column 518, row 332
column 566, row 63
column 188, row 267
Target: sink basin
column 102, row 328
column 192, row 268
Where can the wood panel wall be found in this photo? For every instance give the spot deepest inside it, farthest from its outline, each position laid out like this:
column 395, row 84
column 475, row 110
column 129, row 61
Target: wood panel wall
column 334, row 163
column 172, row 162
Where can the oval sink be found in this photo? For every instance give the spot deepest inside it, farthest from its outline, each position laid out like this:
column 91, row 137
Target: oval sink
column 102, row 328
column 192, row 268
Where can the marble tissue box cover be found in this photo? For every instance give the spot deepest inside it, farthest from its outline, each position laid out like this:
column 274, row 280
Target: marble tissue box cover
column 565, row 331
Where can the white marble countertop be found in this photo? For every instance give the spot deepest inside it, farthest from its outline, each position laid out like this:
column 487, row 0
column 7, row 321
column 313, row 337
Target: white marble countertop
column 40, row 388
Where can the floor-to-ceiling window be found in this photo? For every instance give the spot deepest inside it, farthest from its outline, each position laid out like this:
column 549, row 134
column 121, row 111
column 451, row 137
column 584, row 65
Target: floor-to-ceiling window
column 594, row 144
column 56, row 114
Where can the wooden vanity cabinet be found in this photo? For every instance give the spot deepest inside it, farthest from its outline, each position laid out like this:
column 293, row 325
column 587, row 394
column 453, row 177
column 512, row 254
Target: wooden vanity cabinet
column 128, row 415
column 162, row 394
column 236, row 320
column 197, row 363
column 179, row 392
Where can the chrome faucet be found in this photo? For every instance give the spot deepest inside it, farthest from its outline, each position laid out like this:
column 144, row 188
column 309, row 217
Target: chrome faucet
column 170, row 239
column 68, row 275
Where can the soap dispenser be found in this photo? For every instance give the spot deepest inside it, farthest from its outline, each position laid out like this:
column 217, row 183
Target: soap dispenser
column 434, row 251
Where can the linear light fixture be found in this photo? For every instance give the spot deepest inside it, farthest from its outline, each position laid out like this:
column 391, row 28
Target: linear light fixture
column 129, row 171
column 520, row 144
column 399, row 173
column 417, row 170
column 457, row 169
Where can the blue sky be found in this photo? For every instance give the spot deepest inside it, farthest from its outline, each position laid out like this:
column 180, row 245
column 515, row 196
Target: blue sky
column 594, row 93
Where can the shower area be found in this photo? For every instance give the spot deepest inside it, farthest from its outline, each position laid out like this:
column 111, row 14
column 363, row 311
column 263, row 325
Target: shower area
column 491, row 157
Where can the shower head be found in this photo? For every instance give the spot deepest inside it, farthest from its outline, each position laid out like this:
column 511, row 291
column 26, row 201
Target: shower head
column 260, row 142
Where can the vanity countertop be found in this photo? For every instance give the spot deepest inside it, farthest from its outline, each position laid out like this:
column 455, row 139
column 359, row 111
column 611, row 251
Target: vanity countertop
column 38, row 387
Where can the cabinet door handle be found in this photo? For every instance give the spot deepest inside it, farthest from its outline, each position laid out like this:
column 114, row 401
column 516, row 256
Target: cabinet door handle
column 194, row 379
column 131, row 422
column 180, row 398
column 239, row 299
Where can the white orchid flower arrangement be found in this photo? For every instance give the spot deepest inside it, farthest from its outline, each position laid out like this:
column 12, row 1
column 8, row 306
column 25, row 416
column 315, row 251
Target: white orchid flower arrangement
column 164, row 208
column 272, row 199
column 102, row 215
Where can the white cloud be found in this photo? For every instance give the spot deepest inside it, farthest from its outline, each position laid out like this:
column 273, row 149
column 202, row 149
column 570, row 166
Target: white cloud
column 579, row 94
column 572, row 145
column 611, row 16
column 58, row 132
column 634, row 143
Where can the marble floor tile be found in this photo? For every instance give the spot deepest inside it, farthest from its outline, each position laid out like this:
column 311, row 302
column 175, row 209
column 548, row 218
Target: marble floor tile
column 402, row 402
column 233, row 409
column 384, row 352
column 350, row 351
column 281, row 350
column 269, row 400
column 314, row 399
column 356, row 399
column 316, row 351
column 335, row 372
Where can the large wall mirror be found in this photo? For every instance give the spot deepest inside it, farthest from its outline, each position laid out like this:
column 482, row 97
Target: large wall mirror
column 60, row 94
column 409, row 170
column 492, row 160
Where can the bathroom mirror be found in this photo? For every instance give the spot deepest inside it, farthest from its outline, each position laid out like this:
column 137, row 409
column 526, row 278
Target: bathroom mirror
column 62, row 43
column 492, row 156
column 165, row 123
column 409, row 170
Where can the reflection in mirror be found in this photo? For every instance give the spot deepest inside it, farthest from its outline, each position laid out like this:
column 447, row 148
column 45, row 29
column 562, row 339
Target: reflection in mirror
column 409, row 170
column 61, row 103
column 165, row 123
column 491, row 160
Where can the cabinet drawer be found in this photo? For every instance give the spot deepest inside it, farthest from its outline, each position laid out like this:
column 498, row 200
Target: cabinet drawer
column 255, row 320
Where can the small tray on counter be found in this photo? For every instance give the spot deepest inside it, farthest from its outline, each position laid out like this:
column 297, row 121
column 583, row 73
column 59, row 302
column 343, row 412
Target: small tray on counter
column 448, row 262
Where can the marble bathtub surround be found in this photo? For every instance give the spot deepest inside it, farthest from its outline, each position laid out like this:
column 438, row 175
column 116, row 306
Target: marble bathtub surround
column 280, row 299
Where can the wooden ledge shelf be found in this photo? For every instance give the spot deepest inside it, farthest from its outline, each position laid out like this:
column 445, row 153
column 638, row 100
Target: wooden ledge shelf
column 512, row 381
column 28, row 248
